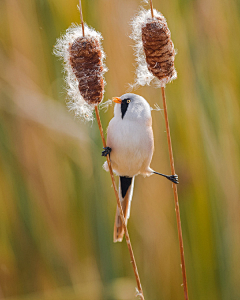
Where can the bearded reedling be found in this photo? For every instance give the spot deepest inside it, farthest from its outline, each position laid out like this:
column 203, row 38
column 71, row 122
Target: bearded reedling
column 130, row 145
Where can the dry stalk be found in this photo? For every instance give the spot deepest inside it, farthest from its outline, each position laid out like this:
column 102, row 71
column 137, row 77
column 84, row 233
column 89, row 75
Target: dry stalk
column 81, row 16
column 151, row 7
column 175, row 193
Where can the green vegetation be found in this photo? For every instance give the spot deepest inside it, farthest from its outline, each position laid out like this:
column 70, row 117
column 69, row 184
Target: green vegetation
column 57, row 206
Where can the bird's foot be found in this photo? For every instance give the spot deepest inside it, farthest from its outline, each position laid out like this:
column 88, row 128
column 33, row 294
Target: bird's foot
column 173, row 178
column 106, row 151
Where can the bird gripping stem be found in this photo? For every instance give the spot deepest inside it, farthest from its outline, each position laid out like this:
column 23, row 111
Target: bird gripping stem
column 133, row 261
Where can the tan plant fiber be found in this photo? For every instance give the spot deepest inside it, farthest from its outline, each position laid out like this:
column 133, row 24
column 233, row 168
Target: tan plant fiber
column 85, row 58
column 154, row 49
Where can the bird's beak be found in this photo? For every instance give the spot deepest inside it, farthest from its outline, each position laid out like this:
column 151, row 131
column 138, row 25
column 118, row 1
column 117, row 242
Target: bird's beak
column 117, row 100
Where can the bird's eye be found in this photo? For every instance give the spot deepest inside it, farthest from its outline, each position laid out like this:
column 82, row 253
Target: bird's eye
column 128, row 101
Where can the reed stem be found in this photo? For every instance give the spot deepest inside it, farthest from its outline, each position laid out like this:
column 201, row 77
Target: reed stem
column 175, row 193
column 151, row 6
column 81, row 16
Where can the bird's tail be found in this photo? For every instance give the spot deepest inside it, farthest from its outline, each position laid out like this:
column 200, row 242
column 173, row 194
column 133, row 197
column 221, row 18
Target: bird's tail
column 125, row 195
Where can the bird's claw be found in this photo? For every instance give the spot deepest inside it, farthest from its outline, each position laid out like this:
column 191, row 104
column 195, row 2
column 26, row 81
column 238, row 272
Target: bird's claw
column 106, row 151
column 173, row 178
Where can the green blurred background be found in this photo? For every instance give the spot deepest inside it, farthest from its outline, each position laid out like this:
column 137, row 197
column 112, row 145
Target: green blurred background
column 57, row 205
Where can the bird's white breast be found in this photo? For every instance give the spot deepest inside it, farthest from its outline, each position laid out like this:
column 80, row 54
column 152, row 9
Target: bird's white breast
column 132, row 146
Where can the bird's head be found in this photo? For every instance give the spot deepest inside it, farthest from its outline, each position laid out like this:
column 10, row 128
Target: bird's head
column 132, row 107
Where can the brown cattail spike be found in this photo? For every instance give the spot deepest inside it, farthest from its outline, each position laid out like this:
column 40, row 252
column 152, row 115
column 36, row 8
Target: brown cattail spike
column 159, row 49
column 85, row 57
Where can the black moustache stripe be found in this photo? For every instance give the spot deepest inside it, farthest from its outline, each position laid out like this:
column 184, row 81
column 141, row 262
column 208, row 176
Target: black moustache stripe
column 124, row 106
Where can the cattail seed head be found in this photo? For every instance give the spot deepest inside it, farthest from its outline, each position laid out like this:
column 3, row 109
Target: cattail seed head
column 154, row 49
column 83, row 61
column 158, row 48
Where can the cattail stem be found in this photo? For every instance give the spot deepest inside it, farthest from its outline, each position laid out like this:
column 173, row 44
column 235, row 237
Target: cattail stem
column 184, row 275
column 133, row 261
column 81, row 16
column 151, row 6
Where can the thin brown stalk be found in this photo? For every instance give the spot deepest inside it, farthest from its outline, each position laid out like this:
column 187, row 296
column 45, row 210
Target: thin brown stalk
column 81, row 16
column 139, row 286
column 175, row 193
column 151, row 6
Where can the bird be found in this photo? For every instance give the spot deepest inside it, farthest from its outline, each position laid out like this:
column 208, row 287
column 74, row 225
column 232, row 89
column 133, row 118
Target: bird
column 130, row 146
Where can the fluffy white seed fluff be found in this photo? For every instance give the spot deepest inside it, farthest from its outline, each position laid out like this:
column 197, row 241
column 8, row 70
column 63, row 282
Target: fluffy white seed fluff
column 76, row 102
column 143, row 75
